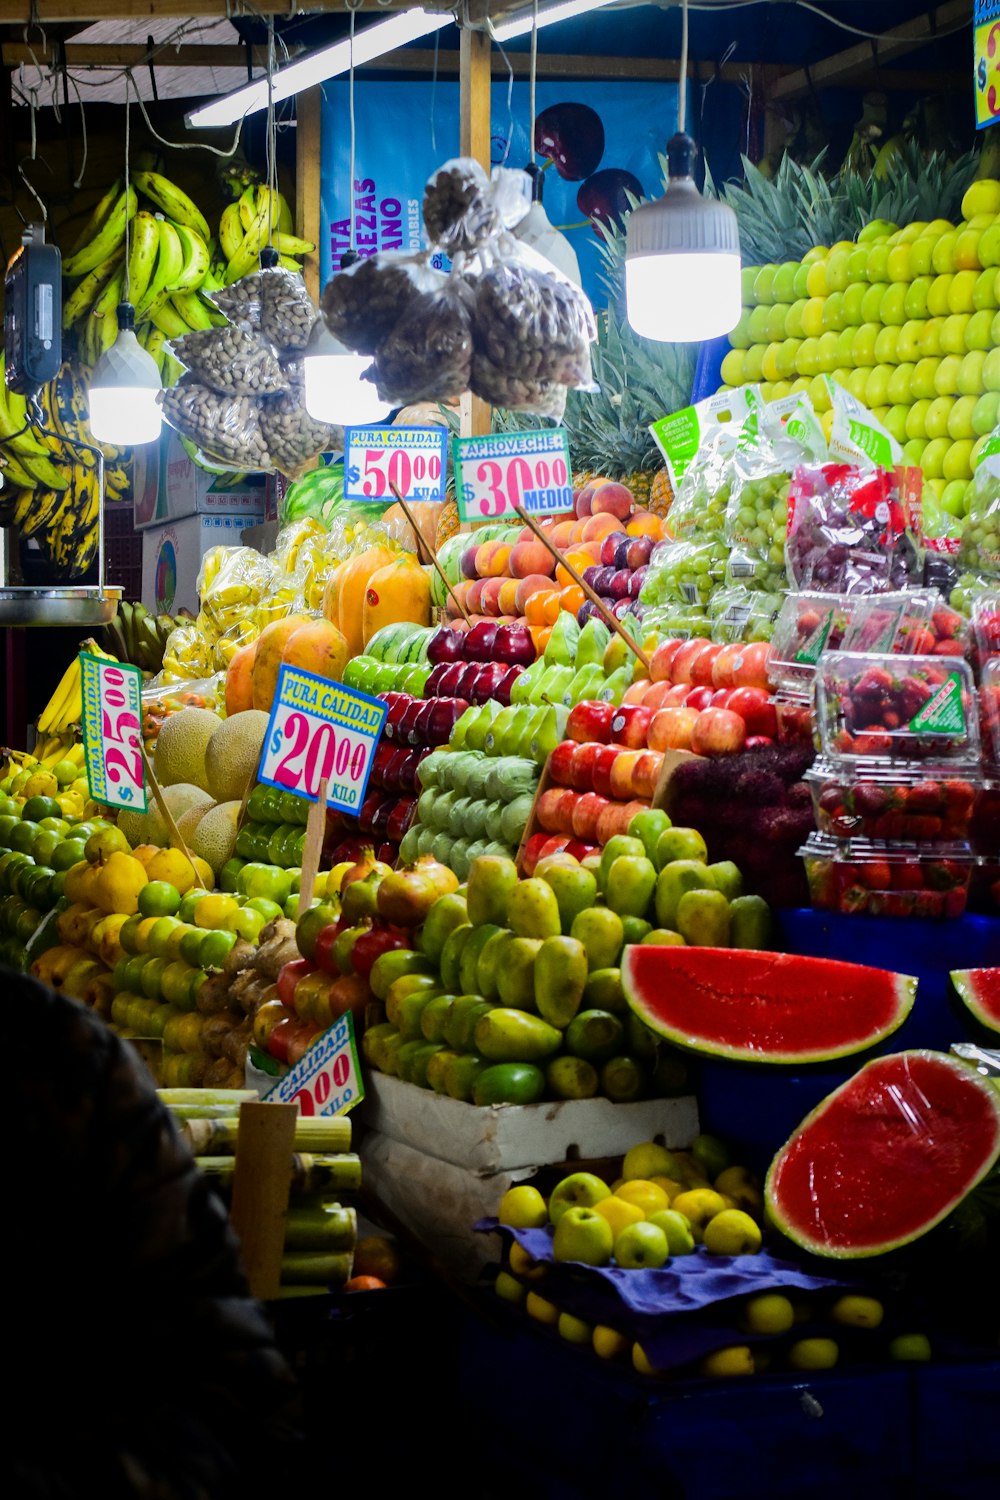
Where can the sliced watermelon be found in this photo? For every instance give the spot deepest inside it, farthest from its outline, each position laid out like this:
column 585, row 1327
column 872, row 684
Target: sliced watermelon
column 763, row 1007
column 980, row 991
column 886, row 1156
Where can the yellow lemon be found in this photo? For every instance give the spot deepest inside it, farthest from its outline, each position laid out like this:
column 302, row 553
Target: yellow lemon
column 541, row 1309
column 699, row 1205
column 574, row 1330
column 523, row 1207
column 643, row 1195
column 857, row 1312
column 732, row 1233
column 813, row 1354
column 647, row 1160
column 735, row 1359
column 641, row 1363
column 608, row 1343
column 769, row 1312
column 618, row 1213
column 522, row 1264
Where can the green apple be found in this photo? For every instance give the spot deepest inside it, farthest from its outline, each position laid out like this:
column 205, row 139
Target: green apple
column 854, row 297
column 922, row 380
column 954, row 497
column 970, row 373
column 984, row 418
column 808, row 357
column 953, row 333
column 641, row 1246
column 680, row 1240
column 937, row 297
column 793, row 320
column 936, row 417
column 579, row 1190
column 960, row 418
column 583, row 1235
column 899, row 392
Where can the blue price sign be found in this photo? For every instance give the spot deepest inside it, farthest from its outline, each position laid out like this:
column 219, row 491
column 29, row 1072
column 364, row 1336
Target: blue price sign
column 327, row 1079
column 112, row 719
column 321, row 731
column 411, row 460
column 529, row 469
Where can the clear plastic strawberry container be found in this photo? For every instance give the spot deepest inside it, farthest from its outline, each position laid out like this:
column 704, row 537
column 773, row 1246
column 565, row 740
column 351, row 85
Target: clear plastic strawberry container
column 989, row 711
column 985, row 629
column 808, row 625
column 887, row 807
column 794, row 712
column 887, row 880
column 896, row 709
column 916, row 622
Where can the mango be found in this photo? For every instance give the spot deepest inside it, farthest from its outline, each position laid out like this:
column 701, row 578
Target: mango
column 463, row 1017
column 673, row 881
column 533, row 911
column 603, row 991
column 560, row 979
column 408, row 984
column 648, row 826
column 492, row 879
column 516, row 974
column 407, row 1057
column 630, row 883
column 703, row 919
column 617, row 847
column 506, row 1035
column 680, row 843
column 750, row 922
column 623, row 1079
column 572, row 1078
column 436, row 1069
column 509, row 1083
column 575, row 890
column 640, row 1041
column 408, row 1014
column 420, row 1061
column 391, row 966
column 447, row 913
column 433, row 1017
column 460, row 1074
column 490, row 962
column 665, row 937
column 727, row 878
column 451, row 956
column 468, row 964
column 389, row 1051
column 596, row 1035
column 601, row 932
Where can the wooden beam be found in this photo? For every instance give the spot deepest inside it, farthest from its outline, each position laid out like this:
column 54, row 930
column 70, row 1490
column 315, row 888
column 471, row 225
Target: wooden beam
column 123, row 55
column 308, row 112
column 474, row 115
column 893, row 43
column 80, row 12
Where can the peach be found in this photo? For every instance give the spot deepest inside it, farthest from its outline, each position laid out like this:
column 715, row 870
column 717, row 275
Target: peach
column 531, row 557
column 474, row 598
column 460, row 591
column 672, row 729
column 644, row 523
column 529, row 586
column 562, row 534
column 492, row 559
column 599, row 526
column 579, row 527
column 489, row 598
column 508, row 596
column 593, row 550
column 613, row 500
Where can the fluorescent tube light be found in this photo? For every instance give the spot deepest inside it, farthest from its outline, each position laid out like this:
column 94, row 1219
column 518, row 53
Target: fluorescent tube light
column 305, row 72
column 522, row 24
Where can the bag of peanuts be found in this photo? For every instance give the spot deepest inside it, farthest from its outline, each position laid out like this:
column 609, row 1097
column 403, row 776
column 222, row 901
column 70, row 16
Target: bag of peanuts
column 362, row 303
column 427, row 356
column 273, row 302
column 464, row 209
column 225, row 429
column 292, row 436
column 234, row 360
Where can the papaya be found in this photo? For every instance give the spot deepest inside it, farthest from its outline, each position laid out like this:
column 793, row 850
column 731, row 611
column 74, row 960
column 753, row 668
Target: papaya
column 352, row 586
column 317, row 646
column 398, row 591
column 267, row 658
column 331, row 593
column 425, row 513
column 239, row 680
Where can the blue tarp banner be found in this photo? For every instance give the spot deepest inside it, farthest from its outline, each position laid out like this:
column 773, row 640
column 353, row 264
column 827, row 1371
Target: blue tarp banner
column 405, row 130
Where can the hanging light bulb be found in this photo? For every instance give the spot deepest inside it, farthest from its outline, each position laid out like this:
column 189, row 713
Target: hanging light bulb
column 682, row 253
column 123, row 389
column 335, row 392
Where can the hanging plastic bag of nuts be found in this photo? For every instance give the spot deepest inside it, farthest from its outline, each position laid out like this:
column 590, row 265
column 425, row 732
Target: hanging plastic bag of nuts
column 463, row 209
column 292, row 436
column 428, row 354
column 225, row 429
column 362, row 303
column 273, row 302
column 233, row 360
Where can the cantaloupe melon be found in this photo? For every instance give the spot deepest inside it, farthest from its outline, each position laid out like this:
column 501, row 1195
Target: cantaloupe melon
column 181, row 745
column 180, row 799
column 187, row 823
column 233, row 754
column 215, row 837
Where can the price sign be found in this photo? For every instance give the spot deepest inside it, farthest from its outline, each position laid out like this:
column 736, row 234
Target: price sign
column 327, row 1079
column 112, row 719
column 530, row 469
column 986, row 62
column 321, row 730
column 412, row 459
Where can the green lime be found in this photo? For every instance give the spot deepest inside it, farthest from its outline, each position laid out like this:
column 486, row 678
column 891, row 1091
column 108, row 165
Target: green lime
column 67, row 854
column 66, row 771
column 7, row 826
column 229, row 874
column 159, row 899
column 9, row 808
column 37, row 808
column 22, row 838
column 268, row 909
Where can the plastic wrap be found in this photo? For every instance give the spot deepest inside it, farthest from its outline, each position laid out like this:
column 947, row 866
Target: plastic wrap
column 985, row 629
column 234, row 585
column 980, row 548
column 428, row 354
column 885, row 880
column 916, row 622
column 226, row 429
column 776, row 438
column 854, row 530
column 808, row 625
column 697, row 444
column 890, row 805
column 463, row 208
column 743, row 614
column 896, row 708
column 362, row 303
column 165, row 695
column 294, row 439
column 187, row 655
column 686, row 572
column 532, row 327
column 275, row 303
column 989, row 711
column 233, row 360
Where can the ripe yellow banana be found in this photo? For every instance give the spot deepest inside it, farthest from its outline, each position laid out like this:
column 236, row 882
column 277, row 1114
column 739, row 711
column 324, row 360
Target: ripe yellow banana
column 285, row 221
column 195, row 260
column 143, row 252
column 169, row 262
column 169, row 321
column 98, row 216
column 106, row 241
column 173, row 201
column 35, row 510
column 194, row 310
column 81, row 298
column 13, row 472
column 290, row 244
column 231, row 231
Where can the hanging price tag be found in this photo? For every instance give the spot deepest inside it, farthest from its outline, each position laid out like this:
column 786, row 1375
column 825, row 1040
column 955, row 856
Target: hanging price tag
column 321, row 731
column 112, row 720
column 412, row 459
column 327, row 1079
column 495, row 474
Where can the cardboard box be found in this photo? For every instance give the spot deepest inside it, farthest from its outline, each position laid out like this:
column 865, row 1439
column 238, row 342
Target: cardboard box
column 505, row 1137
column 173, row 487
column 171, row 557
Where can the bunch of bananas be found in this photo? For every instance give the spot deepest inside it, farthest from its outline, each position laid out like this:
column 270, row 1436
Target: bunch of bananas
column 64, row 710
column 257, row 218
column 138, row 637
column 50, row 487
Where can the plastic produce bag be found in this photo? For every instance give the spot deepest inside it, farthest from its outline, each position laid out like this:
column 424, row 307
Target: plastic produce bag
column 274, row 302
column 776, row 438
column 225, row 429
column 235, row 585
column 362, row 304
column 233, row 360
column 698, row 444
column 980, row 549
column 428, row 354
column 854, row 530
column 744, row 614
column 463, row 208
column 533, row 332
column 685, row 572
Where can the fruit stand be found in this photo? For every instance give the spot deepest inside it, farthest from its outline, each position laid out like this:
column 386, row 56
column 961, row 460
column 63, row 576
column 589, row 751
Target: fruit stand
column 575, row 787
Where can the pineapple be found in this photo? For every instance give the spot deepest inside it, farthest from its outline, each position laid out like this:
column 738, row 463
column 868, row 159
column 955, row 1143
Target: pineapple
column 448, row 520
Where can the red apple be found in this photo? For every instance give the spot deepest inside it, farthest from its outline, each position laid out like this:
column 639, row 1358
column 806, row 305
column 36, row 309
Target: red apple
column 561, row 761
column 513, row 645
column 671, row 729
column 661, row 662
column 446, row 644
column 718, row 731
column 549, row 809
column 721, row 697
column 585, row 815
column 675, row 696
column 686, row 657
column 603, row 764
column 757, row 741
column 646, row 772
column 636, row 692
column 506, row 683
column 655, row 694
column 756, row 708
column 581, row 771
column 590, row 720
column 614, row 819
column 750, row 668
column 622, row 774
column 699, row 698
column 480, row 642
column 701, row 667
column 288, row 977
column 724, row 665
column 630, row 725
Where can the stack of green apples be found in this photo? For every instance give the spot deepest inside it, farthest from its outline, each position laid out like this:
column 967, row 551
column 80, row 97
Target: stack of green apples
column 907, row 320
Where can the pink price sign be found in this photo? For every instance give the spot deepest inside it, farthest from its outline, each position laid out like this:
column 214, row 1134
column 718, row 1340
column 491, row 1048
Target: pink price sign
column 111, row 721
column 327, row 1079
column 495, row 474
column 321, row 731
column 411, row 460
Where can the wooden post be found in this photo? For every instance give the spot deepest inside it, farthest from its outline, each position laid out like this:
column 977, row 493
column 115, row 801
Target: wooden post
column 313, row 848
column 262, row 1180
column 474, row 76
column 422, row 546
column 308, row 110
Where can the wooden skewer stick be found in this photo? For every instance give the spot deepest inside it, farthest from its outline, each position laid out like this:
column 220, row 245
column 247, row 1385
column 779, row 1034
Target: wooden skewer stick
column 595, row 599
column 407, row 512
column 176, row 838
column 313, row 848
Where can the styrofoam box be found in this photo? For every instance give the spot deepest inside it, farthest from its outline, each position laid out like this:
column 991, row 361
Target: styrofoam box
column 505, row 1137
column 174, row 487
column 171, row 557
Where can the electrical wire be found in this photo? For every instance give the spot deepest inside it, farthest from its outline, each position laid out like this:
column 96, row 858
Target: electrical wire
column 533, row 79
column 682, row 77
column 127, row 285
column 351, row 166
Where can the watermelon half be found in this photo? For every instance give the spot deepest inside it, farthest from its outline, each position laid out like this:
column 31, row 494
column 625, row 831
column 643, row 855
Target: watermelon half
column 763, row 1007
column 979, row 989
column 886, row 1156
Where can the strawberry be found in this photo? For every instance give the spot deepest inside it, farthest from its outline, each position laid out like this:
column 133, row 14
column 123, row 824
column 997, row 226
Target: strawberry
column 921, row 643
column 872, row 744
column 946, row 622
column 875, row 874
column 924, row 796
column 907, row 876
column 955, row 902
column 872, row 683
column 869, row 797
column 913, row 695
column 959, row 797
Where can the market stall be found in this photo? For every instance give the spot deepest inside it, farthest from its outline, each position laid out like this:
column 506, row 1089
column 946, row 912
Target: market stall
column 563, row 763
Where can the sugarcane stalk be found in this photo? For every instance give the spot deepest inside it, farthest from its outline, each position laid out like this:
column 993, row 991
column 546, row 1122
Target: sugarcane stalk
column 325, row 1226
column 315, row 1268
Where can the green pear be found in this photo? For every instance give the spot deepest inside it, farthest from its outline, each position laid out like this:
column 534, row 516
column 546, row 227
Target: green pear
column 524, row 686
column 592, row 643
column 616, row 686
column 475, row 737
column 550, row 731
column 586, row 683
column 561, row 646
